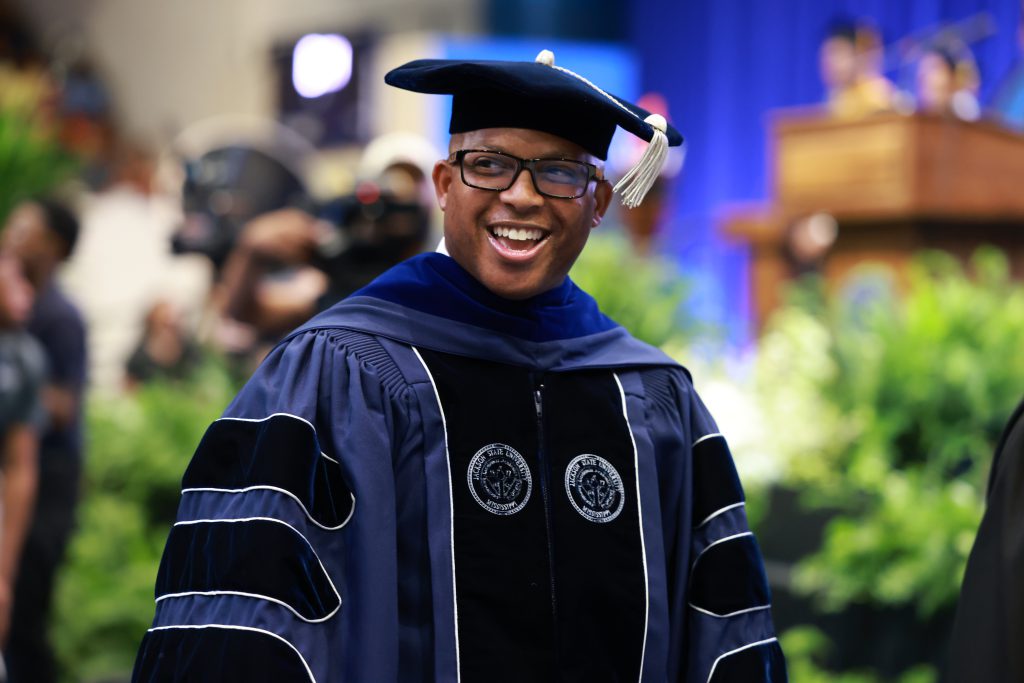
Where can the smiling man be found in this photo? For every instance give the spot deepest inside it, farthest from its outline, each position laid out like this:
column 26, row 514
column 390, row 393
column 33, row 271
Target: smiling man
column 465, row 472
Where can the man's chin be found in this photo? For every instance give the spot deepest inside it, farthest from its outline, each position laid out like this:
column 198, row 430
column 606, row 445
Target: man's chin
column 515, row 289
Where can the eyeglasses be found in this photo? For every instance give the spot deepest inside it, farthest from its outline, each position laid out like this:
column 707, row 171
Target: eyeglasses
column 497, row 171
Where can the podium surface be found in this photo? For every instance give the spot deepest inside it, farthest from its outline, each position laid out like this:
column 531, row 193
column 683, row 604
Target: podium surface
column 895, row 184
column 897, row 166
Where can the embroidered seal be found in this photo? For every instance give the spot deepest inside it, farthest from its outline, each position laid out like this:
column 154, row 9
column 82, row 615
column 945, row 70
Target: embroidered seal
column 594, row 488
column 499, row 479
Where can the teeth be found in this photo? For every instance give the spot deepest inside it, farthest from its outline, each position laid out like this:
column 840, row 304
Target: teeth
column 522, row 234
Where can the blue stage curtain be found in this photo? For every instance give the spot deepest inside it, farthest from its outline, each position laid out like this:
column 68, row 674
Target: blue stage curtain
column 723, row 64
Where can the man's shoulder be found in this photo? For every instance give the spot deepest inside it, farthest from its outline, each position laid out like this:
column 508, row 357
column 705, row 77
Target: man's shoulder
column 345, row 351
column 670, row 386
column 54, row 308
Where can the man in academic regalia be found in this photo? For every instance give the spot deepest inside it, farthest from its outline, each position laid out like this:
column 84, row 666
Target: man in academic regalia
column 464, row 471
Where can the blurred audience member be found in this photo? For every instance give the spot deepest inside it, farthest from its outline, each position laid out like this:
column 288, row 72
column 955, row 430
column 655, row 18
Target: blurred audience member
column 40, row 234
column 87, row 128
column 947, row 82
column 25, row 81
column 267, row 283
column 850, row 61
column 226, row 187
column 289, row 264
column 166, row 350
column 22, row 373
column 122, row 263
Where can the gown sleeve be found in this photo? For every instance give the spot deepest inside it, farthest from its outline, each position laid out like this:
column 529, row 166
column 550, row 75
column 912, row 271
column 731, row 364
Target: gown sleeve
column 720, row 602
column 286, row 510
column 989, row 623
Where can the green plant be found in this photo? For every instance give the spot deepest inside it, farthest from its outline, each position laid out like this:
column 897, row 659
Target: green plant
column 893, row 403
column 137, row 450
column 644, row 295
column 805, row 648
column 31, row 161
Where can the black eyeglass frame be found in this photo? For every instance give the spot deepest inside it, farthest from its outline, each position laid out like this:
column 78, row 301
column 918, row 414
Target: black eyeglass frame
column 593, row 172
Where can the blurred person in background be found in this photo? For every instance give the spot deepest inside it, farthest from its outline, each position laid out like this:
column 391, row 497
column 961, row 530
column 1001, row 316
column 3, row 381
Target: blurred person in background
column 947, row 82
column 87, row 128
column 850, row 63
column 22, row 373
column 26, row 84
column 465, row 471
column 989, row 624
column 122, row 263
column 228, row 184
column 40, row 234
column 337, row 250
column 166, row 349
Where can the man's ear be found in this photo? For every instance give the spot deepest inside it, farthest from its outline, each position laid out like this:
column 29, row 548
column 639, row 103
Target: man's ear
column 603, row 199
column 442, row 177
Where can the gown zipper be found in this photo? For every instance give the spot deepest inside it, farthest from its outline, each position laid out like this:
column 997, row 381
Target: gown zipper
column 545, row 492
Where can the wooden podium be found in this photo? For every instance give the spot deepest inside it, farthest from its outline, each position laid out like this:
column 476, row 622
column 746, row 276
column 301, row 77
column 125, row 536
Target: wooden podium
column 895, row 184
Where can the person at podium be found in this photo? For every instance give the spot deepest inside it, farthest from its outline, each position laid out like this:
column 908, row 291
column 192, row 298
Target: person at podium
column 947, row 82
column 850, row 62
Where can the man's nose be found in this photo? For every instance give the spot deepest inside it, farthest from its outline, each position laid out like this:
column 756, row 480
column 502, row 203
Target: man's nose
column 522, row 194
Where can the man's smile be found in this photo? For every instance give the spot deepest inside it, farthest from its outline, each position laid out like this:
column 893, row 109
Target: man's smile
column 516, row 242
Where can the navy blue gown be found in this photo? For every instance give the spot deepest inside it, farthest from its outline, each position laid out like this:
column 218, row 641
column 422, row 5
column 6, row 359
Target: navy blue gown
column 427, row 482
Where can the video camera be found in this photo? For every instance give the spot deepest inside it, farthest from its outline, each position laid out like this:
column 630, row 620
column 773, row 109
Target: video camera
column 373, row 227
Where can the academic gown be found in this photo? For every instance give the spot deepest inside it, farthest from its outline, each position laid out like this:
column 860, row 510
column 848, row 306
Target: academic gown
column 427, row 482
column 989, row 624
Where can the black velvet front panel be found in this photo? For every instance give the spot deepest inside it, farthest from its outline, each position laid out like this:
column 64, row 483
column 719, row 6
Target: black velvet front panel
column 599, row 569
column 729, row 577
column 216, row 655
column 281, row 451
column 715, row 482
column 502, row 580
column 550, row 586
column 259, row 557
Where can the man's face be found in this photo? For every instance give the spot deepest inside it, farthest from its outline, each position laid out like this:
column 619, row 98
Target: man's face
column 557, row 228
column 27, row 239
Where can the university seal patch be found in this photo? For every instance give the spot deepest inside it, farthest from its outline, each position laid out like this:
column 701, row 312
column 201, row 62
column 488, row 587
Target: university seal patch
column 499, row 479
column 594, row 488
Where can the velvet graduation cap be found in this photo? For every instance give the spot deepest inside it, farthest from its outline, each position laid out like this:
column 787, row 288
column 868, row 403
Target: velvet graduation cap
column 542, row 96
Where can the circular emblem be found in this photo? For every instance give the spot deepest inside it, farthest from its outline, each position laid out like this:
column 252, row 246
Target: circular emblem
column 595, row 488
column 499, row 479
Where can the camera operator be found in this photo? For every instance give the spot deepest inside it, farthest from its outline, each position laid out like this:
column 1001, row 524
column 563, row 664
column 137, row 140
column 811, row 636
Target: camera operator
column 290, row 263
column 278, row 255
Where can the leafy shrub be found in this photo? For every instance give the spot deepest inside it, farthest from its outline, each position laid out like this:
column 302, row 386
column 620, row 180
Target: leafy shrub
column 893, row 406
column 911, row 396
column 137, row 449
column 804, row 646
column 31, row 161
column 644, row 295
